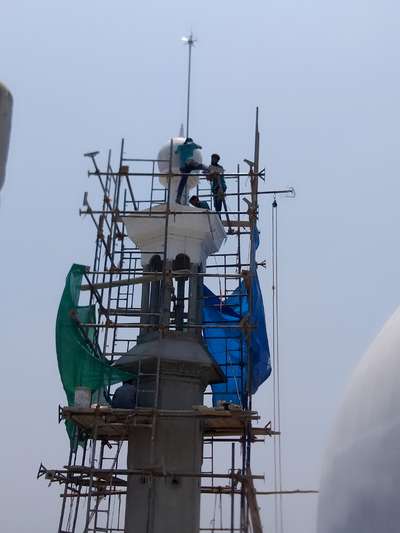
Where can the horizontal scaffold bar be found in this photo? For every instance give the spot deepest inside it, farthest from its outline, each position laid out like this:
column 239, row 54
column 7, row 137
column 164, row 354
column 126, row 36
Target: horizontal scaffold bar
column 224, row 491
column 117, row 214
column 139, row 270
column 228, row 490
column 155, row 276
column 135, row 325
column 154, row 472
column 176, row 174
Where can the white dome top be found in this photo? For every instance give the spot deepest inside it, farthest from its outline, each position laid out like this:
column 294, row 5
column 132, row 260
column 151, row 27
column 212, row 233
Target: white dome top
column 361, row 473
column 163, row 163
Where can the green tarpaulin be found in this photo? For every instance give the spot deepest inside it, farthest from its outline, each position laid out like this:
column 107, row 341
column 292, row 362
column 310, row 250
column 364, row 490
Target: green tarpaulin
column 79, row 362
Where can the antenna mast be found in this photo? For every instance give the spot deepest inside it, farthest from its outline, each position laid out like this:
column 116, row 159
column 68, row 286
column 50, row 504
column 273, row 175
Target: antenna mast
column 190, row 42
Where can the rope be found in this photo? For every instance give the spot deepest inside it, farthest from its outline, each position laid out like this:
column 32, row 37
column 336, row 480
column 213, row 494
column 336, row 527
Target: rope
column 278, row 500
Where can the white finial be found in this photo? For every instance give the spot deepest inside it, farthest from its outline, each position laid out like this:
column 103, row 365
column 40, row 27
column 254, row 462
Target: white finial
column 189, row 40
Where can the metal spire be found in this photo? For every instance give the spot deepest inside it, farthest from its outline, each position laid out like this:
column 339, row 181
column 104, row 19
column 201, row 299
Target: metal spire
column 190, row 42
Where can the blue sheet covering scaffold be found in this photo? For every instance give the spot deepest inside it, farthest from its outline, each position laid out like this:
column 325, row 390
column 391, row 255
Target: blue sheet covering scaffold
column 229, row 346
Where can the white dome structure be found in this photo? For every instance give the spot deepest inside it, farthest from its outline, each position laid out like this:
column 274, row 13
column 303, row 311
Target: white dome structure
column 361, row 474
column 163, row 166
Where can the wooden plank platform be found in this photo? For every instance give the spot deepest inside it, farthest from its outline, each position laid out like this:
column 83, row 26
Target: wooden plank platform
column 113, row 424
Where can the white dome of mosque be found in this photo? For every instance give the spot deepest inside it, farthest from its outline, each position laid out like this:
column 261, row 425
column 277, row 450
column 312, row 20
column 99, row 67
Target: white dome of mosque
column 163, row 161
column 361, row 473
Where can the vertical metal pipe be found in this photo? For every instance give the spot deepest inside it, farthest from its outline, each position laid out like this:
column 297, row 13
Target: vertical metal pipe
column 72, row 452
column 233, row 488
column 165, row 284
column 83, row 461
column 91, row 476
column 190, row 44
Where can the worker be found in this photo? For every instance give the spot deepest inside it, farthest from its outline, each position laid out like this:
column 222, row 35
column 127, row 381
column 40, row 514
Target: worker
column 187, row 163
column 125, row 396
column 196, row 202
column 215, row 174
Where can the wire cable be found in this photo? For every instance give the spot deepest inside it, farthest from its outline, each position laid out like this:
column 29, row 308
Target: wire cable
column 278, row 499
column 274, row 416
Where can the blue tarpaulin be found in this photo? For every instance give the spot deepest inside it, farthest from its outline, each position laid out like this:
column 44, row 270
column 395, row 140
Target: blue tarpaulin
column 229, row 346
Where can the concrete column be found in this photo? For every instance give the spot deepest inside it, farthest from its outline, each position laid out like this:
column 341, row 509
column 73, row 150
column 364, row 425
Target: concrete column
column 168, row 504
column 145, row 319
column 195, row 295
column 180, row 303
column 165, row 297
column 155, row 301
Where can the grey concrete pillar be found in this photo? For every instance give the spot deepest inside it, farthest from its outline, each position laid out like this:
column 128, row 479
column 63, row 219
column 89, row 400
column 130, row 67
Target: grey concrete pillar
column 165, row 297
column 173, row 445
column 145, row 305
column 194, row 314
column 167, row 504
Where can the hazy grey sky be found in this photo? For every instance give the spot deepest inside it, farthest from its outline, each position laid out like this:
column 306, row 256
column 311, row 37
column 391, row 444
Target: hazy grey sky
column 84, row 74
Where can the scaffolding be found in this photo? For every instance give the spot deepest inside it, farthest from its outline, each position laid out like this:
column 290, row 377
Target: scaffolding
column 94, row 484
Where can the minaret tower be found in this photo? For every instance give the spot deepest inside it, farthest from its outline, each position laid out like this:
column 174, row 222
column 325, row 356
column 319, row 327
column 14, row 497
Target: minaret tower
column 141, row 314
column 173, row 365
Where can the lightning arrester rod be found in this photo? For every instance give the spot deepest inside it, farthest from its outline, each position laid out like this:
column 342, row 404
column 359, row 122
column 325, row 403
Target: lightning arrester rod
column 190, row 42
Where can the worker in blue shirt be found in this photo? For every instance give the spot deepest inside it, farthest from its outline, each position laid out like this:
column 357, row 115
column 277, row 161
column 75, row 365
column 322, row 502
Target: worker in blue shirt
column 125, row 396
column 187, row 163
column 196, row 202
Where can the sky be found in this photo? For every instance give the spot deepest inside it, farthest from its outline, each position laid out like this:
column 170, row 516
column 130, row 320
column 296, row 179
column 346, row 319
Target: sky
column 326, row 78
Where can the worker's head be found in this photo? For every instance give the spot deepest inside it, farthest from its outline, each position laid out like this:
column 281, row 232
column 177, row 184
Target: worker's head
column 194, row 200
column 188, row 140
column 215, row 158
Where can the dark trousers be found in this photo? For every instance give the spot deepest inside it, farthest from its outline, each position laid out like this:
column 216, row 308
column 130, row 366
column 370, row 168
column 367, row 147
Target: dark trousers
column 217, row 203
column 186, row 170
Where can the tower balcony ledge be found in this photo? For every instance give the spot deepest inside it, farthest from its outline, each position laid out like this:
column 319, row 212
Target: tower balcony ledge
column 177, row 353
column 106, row 423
